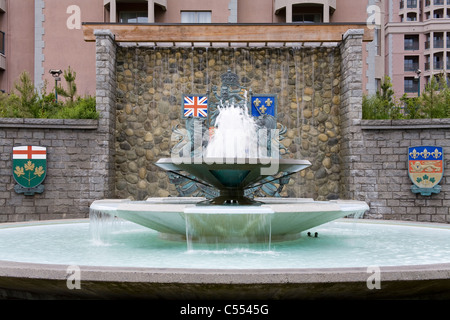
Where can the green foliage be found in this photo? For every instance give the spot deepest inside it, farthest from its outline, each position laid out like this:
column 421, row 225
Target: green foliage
column 382, row 105
column 26, row 102
column 82, row 108
column 71, row 91
column 434, row 102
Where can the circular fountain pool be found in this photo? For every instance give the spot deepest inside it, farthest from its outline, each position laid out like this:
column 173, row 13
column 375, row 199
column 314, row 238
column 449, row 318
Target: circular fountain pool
column 341, row 244
column 133, row 261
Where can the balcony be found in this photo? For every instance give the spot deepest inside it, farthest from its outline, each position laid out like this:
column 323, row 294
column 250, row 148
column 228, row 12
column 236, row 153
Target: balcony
column 328, row 7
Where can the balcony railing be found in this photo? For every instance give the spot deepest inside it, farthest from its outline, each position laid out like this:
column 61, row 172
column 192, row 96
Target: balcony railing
column 438, row 65
column 411, row 66
column 438, row 43
column 439, row 2
column 411, row 4
column 412, row 45
column 411, row 87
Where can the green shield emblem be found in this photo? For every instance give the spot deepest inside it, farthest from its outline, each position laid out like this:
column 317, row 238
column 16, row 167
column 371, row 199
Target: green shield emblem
column 29, row 165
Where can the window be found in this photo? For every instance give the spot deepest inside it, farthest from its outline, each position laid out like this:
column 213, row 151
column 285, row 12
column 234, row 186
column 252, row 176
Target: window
column 411, row 42
column 133, row 17
column 411, row 16
column 411, row 63
column 411, row 4
column 411, row 85
column 195, row 16
column 2, row 42
column 307, row 18
column 438, row 40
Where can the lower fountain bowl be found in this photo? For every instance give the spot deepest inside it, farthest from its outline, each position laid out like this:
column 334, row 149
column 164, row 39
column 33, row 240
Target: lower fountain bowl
column 277, row 218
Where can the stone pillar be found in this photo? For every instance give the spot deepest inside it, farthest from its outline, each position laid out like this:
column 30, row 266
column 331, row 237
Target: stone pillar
column 106, row 105
column 351, row 113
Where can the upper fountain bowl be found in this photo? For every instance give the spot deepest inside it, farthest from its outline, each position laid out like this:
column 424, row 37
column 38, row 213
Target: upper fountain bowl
column 233, row 176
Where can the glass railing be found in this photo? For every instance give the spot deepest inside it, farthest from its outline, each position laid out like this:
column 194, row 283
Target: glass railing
column 439, row 2
column 438, row 43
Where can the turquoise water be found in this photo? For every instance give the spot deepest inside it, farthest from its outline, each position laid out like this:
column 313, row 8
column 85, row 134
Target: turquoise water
column 342, row 243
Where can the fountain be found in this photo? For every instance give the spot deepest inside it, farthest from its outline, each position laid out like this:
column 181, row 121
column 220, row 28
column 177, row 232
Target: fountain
column 241, row 156
column 137, row 248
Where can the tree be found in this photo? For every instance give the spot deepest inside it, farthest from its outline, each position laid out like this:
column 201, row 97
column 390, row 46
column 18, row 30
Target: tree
column 433, row 99
column 71, row 91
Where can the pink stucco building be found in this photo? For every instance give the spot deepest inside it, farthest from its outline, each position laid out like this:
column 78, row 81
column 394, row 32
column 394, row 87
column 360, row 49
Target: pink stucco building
column 39, row 35
column 417, row 42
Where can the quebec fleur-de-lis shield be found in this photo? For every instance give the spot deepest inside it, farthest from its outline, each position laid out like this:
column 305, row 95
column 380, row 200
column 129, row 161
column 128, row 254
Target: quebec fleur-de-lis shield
column 263, row 105
column 425, row 169
column 29, row 165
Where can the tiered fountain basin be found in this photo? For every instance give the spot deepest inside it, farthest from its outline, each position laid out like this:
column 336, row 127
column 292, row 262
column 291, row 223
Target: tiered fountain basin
column 280, row 219
column 231, row 216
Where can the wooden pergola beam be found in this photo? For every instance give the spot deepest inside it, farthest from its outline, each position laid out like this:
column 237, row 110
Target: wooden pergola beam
column 231, row 33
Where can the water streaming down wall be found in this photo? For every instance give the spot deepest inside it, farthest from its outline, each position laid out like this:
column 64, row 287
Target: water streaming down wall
column 151, row 82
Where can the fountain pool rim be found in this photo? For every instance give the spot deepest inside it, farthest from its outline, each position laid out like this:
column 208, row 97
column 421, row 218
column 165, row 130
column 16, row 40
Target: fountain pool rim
column 43, row 281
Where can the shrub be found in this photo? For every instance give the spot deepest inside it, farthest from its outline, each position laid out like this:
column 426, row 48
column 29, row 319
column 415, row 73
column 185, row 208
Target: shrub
column 25, row 102
column 382, row 105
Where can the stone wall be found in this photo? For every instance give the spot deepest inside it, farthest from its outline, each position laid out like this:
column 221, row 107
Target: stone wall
column 152, row 81
column 381, row 169
column 76, row 172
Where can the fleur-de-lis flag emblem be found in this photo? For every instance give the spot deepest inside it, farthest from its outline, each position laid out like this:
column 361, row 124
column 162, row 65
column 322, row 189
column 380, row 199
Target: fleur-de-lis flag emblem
column 29, row 165
column 425, row 169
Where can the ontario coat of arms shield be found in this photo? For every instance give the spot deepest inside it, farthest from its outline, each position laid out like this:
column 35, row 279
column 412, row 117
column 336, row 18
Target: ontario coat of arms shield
column 29, row 164
column 425, row 169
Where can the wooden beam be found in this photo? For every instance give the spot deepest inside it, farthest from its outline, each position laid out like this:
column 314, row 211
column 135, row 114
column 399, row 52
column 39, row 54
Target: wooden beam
column 330, row 32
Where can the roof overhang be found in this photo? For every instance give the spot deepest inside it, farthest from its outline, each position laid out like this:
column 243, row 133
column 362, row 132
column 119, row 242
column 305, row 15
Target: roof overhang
column 226, row 34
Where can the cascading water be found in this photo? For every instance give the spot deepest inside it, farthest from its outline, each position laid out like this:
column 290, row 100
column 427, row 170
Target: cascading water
column 235, row 134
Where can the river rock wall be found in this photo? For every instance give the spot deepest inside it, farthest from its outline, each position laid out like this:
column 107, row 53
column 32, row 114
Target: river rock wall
column 152, row 81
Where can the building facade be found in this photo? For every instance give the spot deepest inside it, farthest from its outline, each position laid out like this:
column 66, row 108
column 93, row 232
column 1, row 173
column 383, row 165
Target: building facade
column 417, row 37
column 411, row 44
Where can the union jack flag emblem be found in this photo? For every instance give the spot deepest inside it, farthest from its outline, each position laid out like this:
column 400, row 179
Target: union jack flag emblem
column 195, row 106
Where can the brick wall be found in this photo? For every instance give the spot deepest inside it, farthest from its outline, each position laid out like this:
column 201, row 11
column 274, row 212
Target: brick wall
column 76, row 172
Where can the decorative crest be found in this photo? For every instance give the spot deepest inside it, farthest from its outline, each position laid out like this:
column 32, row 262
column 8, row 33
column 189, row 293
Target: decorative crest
column 425, row 169
column 29, row 169
column 230, row 79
